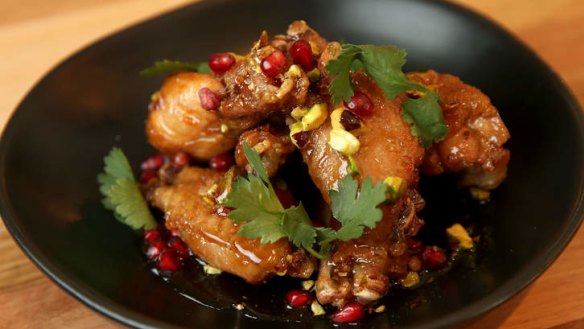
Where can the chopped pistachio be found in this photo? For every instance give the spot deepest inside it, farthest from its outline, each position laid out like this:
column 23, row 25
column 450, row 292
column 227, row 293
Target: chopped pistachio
column 344, row 142
column 315, row 117
column 208, row 201
column 316, row 308
column 224, row 128
column 294, row 71
column 299, row 112
column 479, row 194
column 336, row 118
column 307, row 284
column 211, row 270
column 313, row 75
column 353, row 168
column 380, row 309
column 282, row 273
column 395, row 187
column 262, row 146
column 314, row 48
column 154, row 97
column 458, row 233
column 411, row 279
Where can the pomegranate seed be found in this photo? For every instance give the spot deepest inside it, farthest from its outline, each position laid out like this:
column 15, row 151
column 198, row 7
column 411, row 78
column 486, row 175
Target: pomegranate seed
column 220, row 63
column 153, row 163
column 434, row 258
column 151, row 235
column 221, row 162
column 148, row 175
column 155, row 249
column 301, row 138
column 360, row 104
column 352, row 312
column 179, row 247
column 181, row 160
column 299, row 298
column 223, row 211
column 350, row 121
column 415, row 246
column 168, row 261
column 273, row 64
column 209, row 100
column 301, row 53
column 174, row 232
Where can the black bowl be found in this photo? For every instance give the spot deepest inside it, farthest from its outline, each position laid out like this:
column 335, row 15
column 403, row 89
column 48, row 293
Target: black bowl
column 53, row 146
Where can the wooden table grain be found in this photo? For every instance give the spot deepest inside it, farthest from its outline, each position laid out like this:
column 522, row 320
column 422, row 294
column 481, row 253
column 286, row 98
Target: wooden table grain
column 35, row 35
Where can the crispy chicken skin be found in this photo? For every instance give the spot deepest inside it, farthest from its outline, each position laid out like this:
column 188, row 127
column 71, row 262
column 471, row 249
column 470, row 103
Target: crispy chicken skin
column 214, row 238
column 274, row 146
column 359, row 269
column 177, row 122
column 474, row 144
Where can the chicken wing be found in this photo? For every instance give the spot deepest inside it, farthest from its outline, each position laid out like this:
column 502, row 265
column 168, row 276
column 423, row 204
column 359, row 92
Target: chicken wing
column 359, row 269
column 474, row 144
column 214, row 238
column 177, row 122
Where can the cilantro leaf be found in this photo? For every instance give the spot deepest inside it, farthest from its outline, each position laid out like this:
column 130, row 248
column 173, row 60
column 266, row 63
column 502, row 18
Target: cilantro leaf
column 121, row 192
column 341, row 88
column 356, row 210
column 254, row 203
column 298, row 227
column 425, row 116
column 167, row 66
column 251, row 198
column 384, row 65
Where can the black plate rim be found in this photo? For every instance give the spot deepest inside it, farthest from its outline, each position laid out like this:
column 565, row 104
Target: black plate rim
column 126, row 316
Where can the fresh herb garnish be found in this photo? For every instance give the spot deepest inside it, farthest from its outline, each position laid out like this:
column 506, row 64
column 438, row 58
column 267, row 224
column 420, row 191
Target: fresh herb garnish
column 384, row 65
column 121, row 192
column 167, row 66
column 255, row 203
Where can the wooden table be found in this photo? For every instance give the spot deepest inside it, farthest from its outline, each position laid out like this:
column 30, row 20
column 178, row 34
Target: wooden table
column 36, row 34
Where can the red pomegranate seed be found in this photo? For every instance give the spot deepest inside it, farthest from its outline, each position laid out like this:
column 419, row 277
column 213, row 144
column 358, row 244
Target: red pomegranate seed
column 148, row 175
column 221, row 162
column 155, row 249
column 434, row 258
column 178, row 246
column 151, row 235
column 415, row 246
column 360, row 104
column 352, row 312
column 181, row 160
column 301, row 53
column 209, row 100
column 153, row 163
column 299, row 298
column 168, row 261
column 220, row 63
column 273, row 64
column 301, row 138
column 174, row 232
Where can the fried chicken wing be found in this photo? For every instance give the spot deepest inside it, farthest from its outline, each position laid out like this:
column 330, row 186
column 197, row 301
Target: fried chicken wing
column 474, row 144
column 214, row 238
column 177, row 122
column 359, row 269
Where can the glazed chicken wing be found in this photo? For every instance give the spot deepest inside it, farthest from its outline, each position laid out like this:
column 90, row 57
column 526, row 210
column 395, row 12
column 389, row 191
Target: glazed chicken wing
column 177, row 121
column 359, row 269
column 214, row 238
column 474, row 144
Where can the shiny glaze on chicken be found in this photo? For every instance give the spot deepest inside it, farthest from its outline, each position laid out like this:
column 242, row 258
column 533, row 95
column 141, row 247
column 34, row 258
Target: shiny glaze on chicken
column 214, row 238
